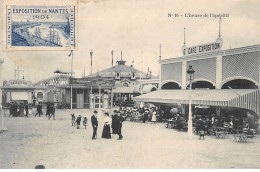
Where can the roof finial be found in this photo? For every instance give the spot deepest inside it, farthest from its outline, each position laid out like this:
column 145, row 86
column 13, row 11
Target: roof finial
column 112, row 53
column 184, row 37
column 121, row 55
column 219, row 34
column 160, row 56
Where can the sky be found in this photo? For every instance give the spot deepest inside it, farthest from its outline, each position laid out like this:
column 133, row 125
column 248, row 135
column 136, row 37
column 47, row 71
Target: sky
column 137, row 28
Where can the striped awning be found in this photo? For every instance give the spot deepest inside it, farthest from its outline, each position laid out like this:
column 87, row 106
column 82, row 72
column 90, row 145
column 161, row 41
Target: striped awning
column 216, row 97
column 249, row 101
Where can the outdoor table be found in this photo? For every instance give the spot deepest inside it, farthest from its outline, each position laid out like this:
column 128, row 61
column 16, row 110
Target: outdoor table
column 243, row 138
column 221, row 132
column 169, row 123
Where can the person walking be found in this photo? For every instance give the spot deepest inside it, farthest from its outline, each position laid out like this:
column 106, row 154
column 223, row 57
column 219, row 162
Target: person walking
column 26, row 107
column 106, row 130
column 78, row 120
column 15, row 109
column 39, row 110
column 94, row 122
column 52, row 111
column 21, row 109
column 85, row 122
column 48, row 109
column 11, row 109
column 118, row 126
column 114, row 116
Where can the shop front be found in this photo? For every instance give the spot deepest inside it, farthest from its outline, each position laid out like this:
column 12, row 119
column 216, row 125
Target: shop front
column 87, row 93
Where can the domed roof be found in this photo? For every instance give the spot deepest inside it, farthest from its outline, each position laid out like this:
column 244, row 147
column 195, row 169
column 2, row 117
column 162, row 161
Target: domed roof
column 124, row 70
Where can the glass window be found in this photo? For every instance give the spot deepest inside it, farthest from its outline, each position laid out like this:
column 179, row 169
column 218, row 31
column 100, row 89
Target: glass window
column 39, row 95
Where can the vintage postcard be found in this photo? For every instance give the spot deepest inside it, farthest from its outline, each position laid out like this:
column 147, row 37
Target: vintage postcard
column 46, row 25
column 131, row 84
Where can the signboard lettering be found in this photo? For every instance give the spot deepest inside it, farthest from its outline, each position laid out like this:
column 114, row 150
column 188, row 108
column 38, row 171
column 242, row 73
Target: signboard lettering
column 201, row 48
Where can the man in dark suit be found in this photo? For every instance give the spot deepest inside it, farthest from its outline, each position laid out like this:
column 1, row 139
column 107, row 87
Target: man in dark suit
column 39, row 110
column 94, row 122
column 26, row 107
column 118, row 125
column 48, row 109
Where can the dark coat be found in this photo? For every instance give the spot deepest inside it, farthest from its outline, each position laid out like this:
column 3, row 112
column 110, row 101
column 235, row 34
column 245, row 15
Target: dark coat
column 39, row 107
column 26, row 107
column 94, row 120
column 118, row 122
column 52, row 109
column 78, row 120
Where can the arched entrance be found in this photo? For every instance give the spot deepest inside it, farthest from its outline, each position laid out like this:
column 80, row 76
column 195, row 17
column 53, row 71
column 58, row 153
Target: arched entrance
column 239, row 84
column 170, row 85
column 201, row 84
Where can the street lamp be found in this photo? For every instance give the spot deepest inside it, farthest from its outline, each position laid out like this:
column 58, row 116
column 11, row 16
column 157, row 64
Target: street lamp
column 190, row 74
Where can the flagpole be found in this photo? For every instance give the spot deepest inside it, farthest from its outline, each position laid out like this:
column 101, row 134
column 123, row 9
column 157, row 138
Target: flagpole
column 71, row 53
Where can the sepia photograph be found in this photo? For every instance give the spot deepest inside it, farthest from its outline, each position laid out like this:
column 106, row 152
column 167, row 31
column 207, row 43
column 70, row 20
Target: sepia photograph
column 129, row 84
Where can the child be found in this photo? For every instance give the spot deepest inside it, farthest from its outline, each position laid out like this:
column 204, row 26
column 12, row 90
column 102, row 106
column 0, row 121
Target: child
column 78, row 121
column 73, row 120
column 85, row 121
column 202, row 130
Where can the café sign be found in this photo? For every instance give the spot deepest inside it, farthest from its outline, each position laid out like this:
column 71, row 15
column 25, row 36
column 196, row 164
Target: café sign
column 92, row 82
column 201, row 48
column 17, row 82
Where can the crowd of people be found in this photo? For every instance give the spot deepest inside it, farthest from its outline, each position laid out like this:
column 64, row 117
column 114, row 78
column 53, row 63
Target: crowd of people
column 19, row 108
column 202, row 122
column 143, row 114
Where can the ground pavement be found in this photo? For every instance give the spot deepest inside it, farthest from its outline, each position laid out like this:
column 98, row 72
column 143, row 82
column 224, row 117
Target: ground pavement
column 56, row 144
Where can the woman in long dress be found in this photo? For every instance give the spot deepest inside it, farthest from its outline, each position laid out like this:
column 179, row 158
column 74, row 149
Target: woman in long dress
column 106, row 130
column 153, row 118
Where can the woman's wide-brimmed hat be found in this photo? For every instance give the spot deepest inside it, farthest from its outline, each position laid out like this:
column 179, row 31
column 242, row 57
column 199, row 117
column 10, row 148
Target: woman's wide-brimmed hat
column 95, row 111
column 106, row 113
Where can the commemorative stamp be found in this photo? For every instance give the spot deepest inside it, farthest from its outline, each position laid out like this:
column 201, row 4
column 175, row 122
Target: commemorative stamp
column 39, row 25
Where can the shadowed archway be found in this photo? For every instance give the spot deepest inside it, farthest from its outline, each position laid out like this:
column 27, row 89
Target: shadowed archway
column 201, row 84
column 170, row 85
column 239, row 84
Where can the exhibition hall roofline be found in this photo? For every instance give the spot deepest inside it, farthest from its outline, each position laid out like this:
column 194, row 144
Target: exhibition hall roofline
column 212, row 54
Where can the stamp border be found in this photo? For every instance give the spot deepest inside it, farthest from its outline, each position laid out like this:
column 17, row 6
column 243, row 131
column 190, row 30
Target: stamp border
column 6, row 3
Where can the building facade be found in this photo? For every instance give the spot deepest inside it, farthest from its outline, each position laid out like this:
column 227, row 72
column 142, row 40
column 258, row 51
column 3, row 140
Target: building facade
column 233, row 72
column 116, row 85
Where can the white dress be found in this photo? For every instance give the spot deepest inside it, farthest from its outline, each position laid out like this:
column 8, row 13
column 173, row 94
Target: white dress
column 154, row 117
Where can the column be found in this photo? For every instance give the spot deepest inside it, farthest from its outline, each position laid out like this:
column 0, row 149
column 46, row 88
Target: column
column 99, row 95
column 90, row 99
column 218, row 72
column 184, row 75
column 112, row 99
